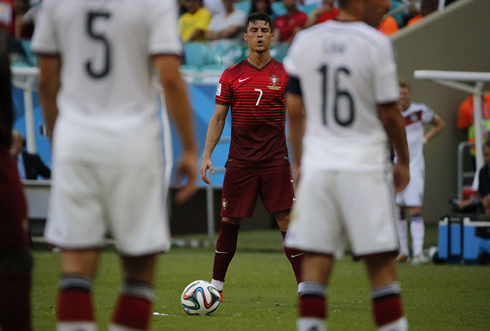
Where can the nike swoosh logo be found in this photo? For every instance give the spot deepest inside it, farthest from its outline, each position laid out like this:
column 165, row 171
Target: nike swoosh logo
column 293, row 256
column 242, row 80
column 221, row 252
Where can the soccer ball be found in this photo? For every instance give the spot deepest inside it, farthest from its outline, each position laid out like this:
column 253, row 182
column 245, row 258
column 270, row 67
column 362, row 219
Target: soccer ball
column 200, row 298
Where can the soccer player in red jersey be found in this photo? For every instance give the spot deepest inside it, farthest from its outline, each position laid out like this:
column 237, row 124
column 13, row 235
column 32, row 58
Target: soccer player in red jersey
column 258, row 161
column 15, row 258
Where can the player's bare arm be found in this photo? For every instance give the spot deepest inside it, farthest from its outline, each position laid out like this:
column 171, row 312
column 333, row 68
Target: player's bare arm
column 49, row 84
column 438, row 126
column 215, row 129
column 395, row 129
column 180, row 110
column 294, row 104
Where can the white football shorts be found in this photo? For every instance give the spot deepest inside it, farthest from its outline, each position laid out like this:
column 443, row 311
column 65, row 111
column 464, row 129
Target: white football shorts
column 336, row 207
column 413, row 194
column 121, row 193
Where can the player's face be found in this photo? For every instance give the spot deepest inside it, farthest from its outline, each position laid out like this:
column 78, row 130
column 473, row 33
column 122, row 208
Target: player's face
column 486, row 154
column 374, row 11
column 405, row 95
column 258, row 36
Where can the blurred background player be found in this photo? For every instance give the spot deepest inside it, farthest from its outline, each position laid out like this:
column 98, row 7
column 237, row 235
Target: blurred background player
column 412, row 197
column 258, row 161
column 15, row 258
column 344, row 74
column 30, row 166
column 107, row 155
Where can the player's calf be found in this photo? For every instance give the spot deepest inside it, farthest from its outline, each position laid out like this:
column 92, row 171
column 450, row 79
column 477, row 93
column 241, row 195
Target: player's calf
column 15, row 288
column 75, row 307
column 388, row 308
column 313, row 307
column 225, row 250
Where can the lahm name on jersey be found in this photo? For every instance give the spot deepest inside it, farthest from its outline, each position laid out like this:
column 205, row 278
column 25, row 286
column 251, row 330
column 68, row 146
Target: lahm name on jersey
column 333, row 47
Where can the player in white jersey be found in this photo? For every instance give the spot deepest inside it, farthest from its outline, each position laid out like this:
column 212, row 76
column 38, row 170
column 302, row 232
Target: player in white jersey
column 344, row 74
column 412, row 197
column 99, row 103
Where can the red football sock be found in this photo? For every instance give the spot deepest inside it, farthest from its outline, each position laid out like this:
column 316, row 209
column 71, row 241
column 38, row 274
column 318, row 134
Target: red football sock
column 225, row 249
column 387, row 309
column 75, row 305
column 15, row 302
column 313, row 306
column 294, row 256
column 132, row 312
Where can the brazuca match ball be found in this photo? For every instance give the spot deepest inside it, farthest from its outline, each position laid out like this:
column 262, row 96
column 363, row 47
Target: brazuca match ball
column 200, row 298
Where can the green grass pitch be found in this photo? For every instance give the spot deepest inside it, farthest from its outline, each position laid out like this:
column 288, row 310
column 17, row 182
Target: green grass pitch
column 260, row 291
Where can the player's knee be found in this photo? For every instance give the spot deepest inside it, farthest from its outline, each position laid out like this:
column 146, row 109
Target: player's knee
column 15, row 261
column 416, row 212
column 232, row 220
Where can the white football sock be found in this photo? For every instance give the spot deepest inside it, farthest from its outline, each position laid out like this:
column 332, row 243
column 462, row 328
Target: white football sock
column 417, row 229
column 76, row 326
column 399, row 325
column 402, row 234
column 309, row 324
column 218, row 284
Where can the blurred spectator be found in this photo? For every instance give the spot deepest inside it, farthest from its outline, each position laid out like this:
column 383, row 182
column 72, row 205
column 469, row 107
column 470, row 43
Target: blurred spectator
column 388, row 26
column 22, row 31
column 286, row 26
column 227, row 25
column 29, row 165
column 214, row 6
column 482, row 197
column 263, row 6
column 194, row 23
column 401, row 17
column 28, row 21
column 466, row 118
column 7, row 16
column 428, row 7
column 326, row 12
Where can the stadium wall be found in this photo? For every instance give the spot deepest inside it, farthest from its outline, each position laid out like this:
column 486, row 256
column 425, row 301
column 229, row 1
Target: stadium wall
column 453, row 40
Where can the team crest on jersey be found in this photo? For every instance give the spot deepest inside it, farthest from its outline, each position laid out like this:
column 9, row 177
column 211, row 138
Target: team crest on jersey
column 274, row 80
column 218, row 89
column 224, row 204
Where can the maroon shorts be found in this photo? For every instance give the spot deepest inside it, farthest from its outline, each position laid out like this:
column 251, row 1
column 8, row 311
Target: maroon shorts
column 241, row 186
column 13, row 206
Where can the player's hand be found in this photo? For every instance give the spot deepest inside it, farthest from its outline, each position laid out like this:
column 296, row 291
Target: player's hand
column 186, row 167
column 205, row 165
column 401, row 176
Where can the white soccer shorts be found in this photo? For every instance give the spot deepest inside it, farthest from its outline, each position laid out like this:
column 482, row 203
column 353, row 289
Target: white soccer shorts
column 336, row 207
column 413, row 194
column 90, row 199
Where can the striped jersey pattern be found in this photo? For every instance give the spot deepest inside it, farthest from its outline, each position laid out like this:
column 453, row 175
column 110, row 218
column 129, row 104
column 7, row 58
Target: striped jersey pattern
column 256, row 97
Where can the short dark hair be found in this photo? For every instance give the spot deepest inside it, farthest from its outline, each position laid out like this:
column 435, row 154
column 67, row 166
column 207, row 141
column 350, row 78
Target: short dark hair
column 258, row 16
column 404, row 84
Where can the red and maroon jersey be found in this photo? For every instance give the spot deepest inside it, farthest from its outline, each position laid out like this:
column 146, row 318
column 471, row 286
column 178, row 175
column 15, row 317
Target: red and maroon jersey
column 258, row 113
